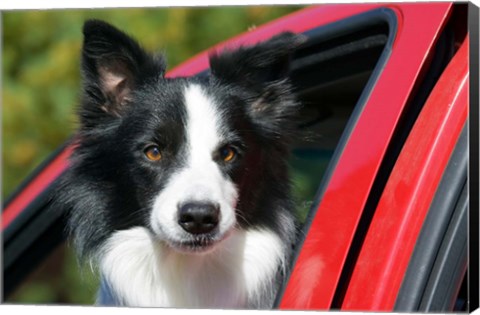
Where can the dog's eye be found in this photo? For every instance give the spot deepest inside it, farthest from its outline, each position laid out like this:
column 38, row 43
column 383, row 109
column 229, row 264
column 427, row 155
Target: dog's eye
column 227, row 153
column 153, row 153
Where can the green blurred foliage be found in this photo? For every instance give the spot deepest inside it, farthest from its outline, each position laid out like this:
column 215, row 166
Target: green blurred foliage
column 40, row 84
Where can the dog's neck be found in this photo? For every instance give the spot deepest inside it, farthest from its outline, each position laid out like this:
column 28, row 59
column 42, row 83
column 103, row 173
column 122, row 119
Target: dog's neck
column 239, row 273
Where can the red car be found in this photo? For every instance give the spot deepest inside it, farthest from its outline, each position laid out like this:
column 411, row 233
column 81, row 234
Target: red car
column 386, row 90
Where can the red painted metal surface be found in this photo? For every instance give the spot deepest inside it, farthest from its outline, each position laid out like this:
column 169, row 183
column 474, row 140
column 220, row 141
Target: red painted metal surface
column 398, row 219
column 315, row 276
column 35, row 187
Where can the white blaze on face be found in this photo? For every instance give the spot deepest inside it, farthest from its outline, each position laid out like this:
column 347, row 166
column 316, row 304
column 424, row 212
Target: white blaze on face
column 201, row 178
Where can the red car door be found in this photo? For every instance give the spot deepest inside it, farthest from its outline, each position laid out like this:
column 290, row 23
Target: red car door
column 351, row 190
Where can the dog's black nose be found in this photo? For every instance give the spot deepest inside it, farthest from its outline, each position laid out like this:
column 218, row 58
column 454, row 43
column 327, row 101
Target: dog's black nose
column 198, row 218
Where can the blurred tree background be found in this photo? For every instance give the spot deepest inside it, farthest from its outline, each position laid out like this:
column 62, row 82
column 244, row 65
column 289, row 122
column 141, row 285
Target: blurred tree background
column 41, row 80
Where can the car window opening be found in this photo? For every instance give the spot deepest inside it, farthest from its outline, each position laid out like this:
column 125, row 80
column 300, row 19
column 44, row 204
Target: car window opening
column 329, row 77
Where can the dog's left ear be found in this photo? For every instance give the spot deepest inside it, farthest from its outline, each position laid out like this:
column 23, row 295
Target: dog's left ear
column 263, row 71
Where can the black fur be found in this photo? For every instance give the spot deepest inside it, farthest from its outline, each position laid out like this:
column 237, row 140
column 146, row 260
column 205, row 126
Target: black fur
column 127, row 102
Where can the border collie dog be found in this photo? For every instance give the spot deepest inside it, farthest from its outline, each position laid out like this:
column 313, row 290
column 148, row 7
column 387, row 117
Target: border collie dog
column 178, row 189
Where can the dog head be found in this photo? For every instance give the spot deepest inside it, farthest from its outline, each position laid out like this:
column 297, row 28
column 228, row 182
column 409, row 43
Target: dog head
column 188, row 158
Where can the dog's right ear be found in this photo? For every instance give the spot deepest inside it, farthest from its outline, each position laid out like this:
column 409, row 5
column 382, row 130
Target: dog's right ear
column 112, row 65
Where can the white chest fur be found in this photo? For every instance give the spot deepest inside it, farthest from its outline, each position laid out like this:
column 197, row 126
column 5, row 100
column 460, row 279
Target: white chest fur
column 239, row 273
